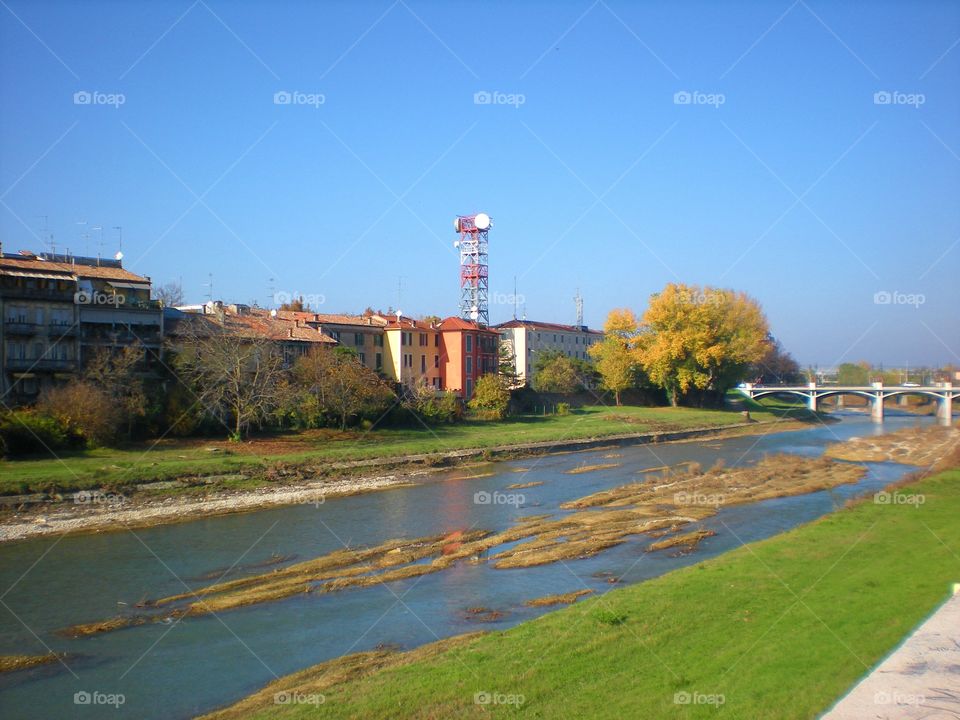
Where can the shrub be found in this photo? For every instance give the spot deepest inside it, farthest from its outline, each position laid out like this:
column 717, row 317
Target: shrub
column 436, row 408
column 84, row 411
column 563, row 408
column 491, row 398
column 26, row 432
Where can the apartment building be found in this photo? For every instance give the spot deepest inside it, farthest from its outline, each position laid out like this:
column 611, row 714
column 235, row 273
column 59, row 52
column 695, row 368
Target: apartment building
column 528, row 338
column 364, row 334
column 468, row 351
column 59, row 310
column 413, row 353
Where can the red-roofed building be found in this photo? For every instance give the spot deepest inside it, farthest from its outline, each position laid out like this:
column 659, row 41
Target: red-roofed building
column 468, row 351
column 527, row 339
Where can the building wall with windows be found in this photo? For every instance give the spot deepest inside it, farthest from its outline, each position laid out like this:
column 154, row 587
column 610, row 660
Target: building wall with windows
column 528, row 339
column 413, row 349
column 361, row 333
column 469, row 351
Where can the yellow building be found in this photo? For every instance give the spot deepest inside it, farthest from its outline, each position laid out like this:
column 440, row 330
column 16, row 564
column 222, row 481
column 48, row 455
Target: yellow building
column 413, row 352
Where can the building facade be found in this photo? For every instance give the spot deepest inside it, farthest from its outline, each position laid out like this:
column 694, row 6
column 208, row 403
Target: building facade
column 527, row 339
column 58, row 311
column 413, row 353
column 468, row 352
column 364, row 334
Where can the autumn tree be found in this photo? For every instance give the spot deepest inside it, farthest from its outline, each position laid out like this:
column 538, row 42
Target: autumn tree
column 340, row 386
column 491, row 397
column 615, row 356
column 776, row 366
column 700, row 338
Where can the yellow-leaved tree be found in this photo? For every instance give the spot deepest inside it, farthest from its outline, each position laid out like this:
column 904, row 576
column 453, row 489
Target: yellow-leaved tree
column 615, row 356
column 702, row 338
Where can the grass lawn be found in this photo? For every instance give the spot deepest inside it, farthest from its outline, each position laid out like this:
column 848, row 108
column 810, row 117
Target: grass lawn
column 175, row 458
column 778, row 629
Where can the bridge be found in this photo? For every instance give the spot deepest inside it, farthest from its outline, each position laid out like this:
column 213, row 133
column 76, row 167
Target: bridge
column 876, row 393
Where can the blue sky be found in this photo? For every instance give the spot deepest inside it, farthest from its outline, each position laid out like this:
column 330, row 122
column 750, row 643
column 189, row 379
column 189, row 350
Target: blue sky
column 784, row 177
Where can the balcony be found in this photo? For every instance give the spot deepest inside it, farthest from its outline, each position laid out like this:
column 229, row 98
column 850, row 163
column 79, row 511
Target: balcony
column 63, row 331
column 16, row 327
column 22, row 293
column 41, row 365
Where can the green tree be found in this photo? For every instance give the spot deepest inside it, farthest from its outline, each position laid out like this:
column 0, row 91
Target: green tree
column 491, row 397
column 700, row 338
column 554, row 372
column 336, row 384
column 615, row 356
column 853, row 374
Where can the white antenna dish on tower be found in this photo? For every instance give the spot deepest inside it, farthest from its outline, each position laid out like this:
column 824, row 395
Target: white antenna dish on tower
column 456, row 224
column 399, row 315
column 118, row 256
column 481, row 221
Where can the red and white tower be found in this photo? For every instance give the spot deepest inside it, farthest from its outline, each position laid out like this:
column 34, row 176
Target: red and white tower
column 473, row 266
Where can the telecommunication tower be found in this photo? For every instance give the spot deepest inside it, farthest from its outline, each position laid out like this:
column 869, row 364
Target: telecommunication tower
column 474, row 269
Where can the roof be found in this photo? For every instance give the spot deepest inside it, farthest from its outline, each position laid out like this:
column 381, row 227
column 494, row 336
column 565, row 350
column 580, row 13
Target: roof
column 458, row 323
column 556, row 327
column 332, row 318
column 253, row 323
column 19, row 264
column 406, row 323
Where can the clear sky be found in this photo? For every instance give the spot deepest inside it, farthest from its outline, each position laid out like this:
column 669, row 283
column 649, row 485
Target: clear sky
column 784, row 176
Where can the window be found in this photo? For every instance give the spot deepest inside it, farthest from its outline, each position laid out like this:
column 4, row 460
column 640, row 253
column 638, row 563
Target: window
column 436, row 340
column 436, row 361
column 469, row 388
column 423, row 364
column 335, row 334
column 358, row 339
column 423, row 340
column 469, row 366
column 379, row 359
column 554, row 337
column 378, row 340
column 469, row 343
column 363, row 358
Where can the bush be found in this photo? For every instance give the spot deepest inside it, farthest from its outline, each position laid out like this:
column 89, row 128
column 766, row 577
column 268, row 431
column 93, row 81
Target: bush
column 84, row 411
column 436, row 408
column 25, row 432
column 563, row 408
column 491, row 398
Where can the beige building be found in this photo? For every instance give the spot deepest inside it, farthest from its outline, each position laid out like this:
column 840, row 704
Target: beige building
column 527, row 339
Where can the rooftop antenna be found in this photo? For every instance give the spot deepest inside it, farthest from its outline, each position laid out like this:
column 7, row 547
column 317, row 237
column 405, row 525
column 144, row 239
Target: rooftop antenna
column 46, row 236
column 272, row 291
column 209, row 286
column 83, row 236
column 578, row 300
column 514, row 297
column 119, row 255
column 400, row 291
column 99, row 229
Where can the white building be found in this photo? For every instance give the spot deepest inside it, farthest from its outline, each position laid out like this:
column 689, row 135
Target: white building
column 527, row 339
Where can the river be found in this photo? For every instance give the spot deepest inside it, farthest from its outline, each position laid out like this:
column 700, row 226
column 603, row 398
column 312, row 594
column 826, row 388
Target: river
column 179, row 670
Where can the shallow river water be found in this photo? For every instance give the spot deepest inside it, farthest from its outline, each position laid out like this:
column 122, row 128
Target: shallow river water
column 183, row 669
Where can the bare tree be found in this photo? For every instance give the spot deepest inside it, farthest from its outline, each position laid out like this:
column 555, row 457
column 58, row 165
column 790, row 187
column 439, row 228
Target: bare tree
column 170, row 295
column 237, row 378
column 118, row 374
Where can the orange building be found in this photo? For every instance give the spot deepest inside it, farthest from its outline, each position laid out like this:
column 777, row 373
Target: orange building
column 468, row 351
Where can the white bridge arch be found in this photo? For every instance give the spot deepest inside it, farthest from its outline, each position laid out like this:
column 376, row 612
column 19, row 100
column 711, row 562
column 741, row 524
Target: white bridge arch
column 944, row 393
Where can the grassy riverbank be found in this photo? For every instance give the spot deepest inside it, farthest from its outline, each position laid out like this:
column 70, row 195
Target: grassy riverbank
column 777, row 629
column 251, row 461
